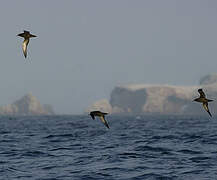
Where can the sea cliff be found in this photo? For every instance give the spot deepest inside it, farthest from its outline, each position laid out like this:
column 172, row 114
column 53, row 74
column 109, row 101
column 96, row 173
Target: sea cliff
column 159, row 99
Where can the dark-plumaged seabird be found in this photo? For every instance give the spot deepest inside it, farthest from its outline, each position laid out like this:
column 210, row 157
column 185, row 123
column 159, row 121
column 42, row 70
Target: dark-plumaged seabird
column 204, row 100
column 26, row 35
column 101, row 115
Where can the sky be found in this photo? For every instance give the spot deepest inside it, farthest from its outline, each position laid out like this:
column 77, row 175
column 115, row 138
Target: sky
column 85, row 48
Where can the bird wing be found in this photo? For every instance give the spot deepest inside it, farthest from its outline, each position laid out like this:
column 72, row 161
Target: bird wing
column 24, row 46
column 93, row 117
column 21, row 35
column 32, row 35
column 102, row 118
column 202, row 94
column 205, row 105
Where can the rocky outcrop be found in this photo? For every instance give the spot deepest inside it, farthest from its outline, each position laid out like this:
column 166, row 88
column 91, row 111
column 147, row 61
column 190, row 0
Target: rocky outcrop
column 208, row 79
column 163, row 99
column 27, row 105
column 101, row 105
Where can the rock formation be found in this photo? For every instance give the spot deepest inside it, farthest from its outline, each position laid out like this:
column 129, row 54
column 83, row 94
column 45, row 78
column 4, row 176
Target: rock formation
column 208, row 79
column 101, row 105
column 27, row 105
column 161, row 99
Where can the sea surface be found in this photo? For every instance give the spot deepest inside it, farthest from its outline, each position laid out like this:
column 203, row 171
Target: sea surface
column 134, row 148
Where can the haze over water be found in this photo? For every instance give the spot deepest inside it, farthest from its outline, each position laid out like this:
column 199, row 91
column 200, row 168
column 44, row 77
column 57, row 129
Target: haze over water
column 85, row 48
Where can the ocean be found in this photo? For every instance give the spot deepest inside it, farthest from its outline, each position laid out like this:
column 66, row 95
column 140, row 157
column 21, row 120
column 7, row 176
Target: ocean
column 134, row 148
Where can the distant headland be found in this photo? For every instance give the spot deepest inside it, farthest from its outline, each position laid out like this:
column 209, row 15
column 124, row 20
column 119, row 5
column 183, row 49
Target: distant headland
column 158, row 99
column 27, row 105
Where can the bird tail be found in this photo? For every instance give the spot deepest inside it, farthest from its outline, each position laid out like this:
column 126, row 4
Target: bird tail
column 209, row 113
column 104, row 121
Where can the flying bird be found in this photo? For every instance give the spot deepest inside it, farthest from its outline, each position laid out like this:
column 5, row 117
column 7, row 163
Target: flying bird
column 26, row 35
column 204, row 100
column 101, row 115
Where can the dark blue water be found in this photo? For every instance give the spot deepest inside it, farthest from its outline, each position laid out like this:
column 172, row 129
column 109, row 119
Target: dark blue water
column 77, row 147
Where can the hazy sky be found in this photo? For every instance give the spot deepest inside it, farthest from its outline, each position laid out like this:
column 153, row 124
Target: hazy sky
column 86, row 47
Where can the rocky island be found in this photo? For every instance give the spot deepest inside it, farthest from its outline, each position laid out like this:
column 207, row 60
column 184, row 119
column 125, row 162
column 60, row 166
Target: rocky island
column 27, row 105
column 158, row 99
